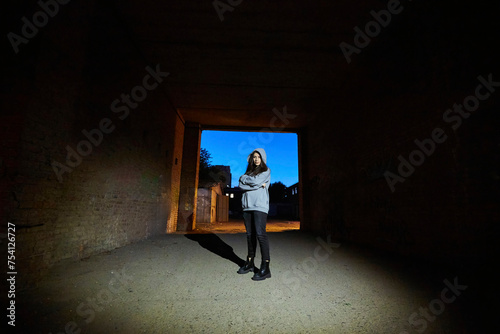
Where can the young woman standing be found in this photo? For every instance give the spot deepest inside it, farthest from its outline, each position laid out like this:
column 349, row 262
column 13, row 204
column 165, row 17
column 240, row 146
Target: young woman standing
column 255, row 202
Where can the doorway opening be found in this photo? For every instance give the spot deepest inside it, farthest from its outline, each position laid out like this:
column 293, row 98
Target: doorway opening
column 223, row 159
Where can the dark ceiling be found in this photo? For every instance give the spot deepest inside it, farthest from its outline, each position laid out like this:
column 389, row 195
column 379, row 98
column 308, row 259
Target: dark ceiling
column 275, row 53
column 262, row 55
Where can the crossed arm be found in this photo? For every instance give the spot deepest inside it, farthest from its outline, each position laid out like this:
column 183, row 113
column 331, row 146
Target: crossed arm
column 248, row 182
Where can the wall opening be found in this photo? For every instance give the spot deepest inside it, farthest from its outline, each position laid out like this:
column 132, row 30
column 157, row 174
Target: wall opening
column 223, row 159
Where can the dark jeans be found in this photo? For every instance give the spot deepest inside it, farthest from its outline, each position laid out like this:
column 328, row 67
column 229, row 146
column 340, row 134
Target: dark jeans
column 255, row 224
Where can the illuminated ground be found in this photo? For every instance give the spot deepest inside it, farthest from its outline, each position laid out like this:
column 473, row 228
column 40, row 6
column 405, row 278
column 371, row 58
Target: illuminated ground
column 188, row 284
column 237, row 226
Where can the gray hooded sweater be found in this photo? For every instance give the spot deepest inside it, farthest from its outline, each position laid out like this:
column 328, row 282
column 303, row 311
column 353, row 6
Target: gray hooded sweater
column 256, row 197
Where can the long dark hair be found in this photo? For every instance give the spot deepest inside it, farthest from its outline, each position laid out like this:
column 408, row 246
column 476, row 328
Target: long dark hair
column 252, row 169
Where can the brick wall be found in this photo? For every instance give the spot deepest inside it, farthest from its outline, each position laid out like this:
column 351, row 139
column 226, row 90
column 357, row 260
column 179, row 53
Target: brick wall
column 189, row 178
column 174, row 169
column 445, row 211
column 125, row 188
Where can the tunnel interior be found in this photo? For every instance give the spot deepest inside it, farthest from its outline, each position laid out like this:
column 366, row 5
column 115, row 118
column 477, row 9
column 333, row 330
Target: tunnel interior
column 394, row 104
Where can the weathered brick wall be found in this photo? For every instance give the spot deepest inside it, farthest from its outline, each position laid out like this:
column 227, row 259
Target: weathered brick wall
column 124, row 187
column 174, row 168
column 189, row 178
column 11, row 128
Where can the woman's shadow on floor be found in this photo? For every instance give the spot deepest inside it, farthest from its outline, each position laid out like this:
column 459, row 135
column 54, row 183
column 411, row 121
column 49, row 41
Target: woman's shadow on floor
column 216, row 245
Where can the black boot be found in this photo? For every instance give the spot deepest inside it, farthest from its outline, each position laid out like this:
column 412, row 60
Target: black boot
column 247, row 267
column 263, row 273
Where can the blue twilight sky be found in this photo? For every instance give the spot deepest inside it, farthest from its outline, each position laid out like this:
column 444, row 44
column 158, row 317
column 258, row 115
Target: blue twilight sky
column 231, row 148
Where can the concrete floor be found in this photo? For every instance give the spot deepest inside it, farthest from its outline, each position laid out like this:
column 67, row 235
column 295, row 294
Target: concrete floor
column 187, row 283
column 238, row 226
